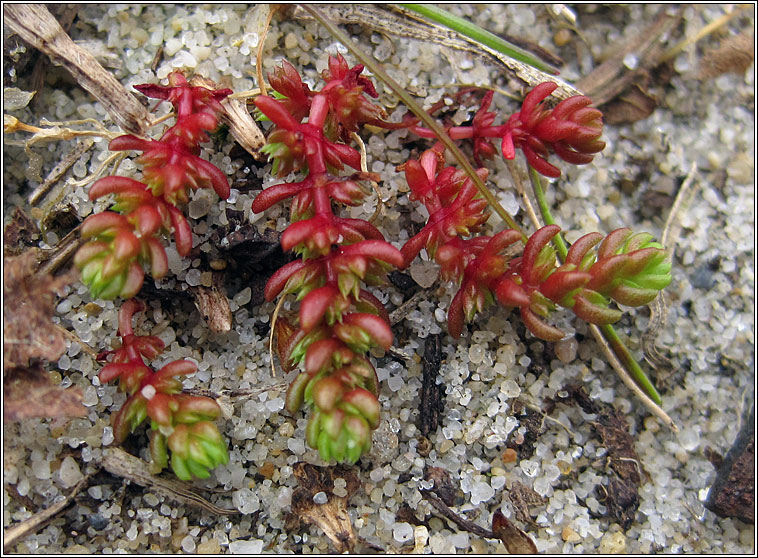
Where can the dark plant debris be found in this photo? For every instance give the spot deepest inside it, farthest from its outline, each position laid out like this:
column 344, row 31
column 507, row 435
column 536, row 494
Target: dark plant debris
column 624, row 470
column 534, row 422
column 28, row 305
column 444, row 487
column 332, row 517
column 20, row 233
column 523, row 497
column 733, row 491
column 28, row 392
column 613, row 78
column 432, row 393
column 461, row 522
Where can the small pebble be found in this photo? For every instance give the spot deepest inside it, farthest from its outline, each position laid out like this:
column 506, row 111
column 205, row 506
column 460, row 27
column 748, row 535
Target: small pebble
column 290, row 41
column 561, row 37
column 402, row 532
column 569, row 535
column 566, row 349
column 97, row 521
column 211, row 546
column 613, row 543
column 253, row 546
column 188, row 544
column 93, row 309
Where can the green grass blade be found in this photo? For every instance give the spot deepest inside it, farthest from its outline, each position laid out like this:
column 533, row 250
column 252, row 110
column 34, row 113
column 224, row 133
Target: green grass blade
column 476, row 33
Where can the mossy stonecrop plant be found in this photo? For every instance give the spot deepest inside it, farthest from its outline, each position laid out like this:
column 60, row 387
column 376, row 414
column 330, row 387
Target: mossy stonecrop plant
column 123, row 241
column 338, row 321
column 179, row 422
column 627, row 268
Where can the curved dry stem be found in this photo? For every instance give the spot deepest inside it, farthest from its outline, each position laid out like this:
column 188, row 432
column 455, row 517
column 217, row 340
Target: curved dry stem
column 274, row 317
column 259, row 54
column 117, row 156
column 74, row 337
column 522, row 192
column 162, row 119
column 673, row 215
column 245, row 94
column 364, row 168
column 629, row 381
column 659, row 306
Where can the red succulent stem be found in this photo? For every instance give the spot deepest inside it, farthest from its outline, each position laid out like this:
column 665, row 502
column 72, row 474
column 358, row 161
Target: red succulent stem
column 571, row 130
column 157, row 395
column 339, row 254
column 113, row 261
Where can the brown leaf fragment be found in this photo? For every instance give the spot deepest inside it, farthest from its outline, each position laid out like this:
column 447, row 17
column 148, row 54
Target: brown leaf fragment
column 619, row 495
column 331, row 517
column 733, row 56
column 444, row 487
column 522, row 497
column 242, row 127
column 407, row 514
column 28, row 392
column 19, row 233
column 515, row 540
column 213, row 305
column 28, row 305
column 632, row 105
column 733, row 491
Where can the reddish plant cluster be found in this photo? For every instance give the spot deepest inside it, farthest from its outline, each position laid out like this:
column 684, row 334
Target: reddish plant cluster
column 571, row 130
column 179, row 422
column 628, row 268
column 122, row 242
column 338, row 320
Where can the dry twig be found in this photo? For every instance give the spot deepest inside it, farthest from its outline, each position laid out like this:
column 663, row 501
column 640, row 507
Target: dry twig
column 36, row 25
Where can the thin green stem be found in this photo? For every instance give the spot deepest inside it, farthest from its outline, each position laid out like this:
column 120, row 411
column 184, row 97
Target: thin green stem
column 416, row 109
column 547, row 216
column 614, row 340
column 630, row 362
column 473, row 31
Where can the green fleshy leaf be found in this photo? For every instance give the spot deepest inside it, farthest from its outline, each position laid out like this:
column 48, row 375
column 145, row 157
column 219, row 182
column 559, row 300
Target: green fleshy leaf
column 180, row 468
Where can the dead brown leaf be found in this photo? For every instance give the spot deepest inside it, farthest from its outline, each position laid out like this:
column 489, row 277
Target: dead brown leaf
column 29, row 298
column 19, row 233
column 632, row 105
column 28, row 392
column 332, row 517
column 213, row 305
column 733, row 56
column 515, row 540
